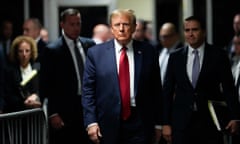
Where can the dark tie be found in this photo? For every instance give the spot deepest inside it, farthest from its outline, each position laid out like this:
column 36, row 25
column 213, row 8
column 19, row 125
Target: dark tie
column 79, row 59
column 195, row 68
column 124, row 81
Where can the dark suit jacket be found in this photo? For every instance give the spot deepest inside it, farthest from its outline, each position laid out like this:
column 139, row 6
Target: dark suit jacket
column 59, row 79
column 215, row 82
column 41, row 45
column 1, row 78
column 15, row 94
column 101, row 96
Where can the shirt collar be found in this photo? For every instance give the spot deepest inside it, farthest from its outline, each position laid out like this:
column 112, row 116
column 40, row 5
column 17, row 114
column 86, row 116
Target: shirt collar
column 200, row 49
column 27, row 69
column 118, row 46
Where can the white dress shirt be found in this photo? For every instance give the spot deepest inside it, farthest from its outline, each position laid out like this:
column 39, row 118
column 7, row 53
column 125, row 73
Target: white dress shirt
column 130, row 55
column 191, row 57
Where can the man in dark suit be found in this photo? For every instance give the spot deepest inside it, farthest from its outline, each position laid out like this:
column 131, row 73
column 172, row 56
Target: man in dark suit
column 230, row 47
column 61, row 81
column 103, row 97
column 186, row 117
column 170, row 41
column 236, row 75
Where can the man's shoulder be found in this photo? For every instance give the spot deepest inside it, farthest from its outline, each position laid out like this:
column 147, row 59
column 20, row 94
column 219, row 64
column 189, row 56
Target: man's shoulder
column 87, row 42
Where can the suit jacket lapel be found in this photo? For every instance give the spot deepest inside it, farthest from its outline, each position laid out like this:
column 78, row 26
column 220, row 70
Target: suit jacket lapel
column 205, row 63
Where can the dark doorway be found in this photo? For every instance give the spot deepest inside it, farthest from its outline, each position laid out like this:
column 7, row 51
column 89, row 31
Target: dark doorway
column 90, row 17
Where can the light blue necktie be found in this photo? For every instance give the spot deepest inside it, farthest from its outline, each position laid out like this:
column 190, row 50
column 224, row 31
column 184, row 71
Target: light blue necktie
column 195, row 68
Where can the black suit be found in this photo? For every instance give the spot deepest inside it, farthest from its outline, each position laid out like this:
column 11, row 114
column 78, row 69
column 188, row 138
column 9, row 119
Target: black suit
column 41, row 45
column 15, row 94
column 215, row 75
column 59, row 84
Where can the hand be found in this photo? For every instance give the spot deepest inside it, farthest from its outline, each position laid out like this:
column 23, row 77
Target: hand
column 32, row 101
column 56, row 122
column 233, row 126
column 167, row 133
column 94, row 134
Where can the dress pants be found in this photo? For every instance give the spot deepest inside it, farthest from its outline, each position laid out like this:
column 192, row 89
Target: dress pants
column 131, row 130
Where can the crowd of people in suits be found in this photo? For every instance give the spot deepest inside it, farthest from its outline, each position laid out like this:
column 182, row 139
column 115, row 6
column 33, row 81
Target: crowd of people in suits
column 120, row 87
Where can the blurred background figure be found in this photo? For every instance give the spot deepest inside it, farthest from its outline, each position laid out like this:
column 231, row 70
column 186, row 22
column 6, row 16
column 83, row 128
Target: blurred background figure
column 236, row 27
column 170, row 41
column 6, row 37
column 236, row 74
column 101, row 33
column 61, row 80
column 149, row 36
column 139, row 33
column 21, row 85
column 32, row 28
column 1, row 81
column 44, row 35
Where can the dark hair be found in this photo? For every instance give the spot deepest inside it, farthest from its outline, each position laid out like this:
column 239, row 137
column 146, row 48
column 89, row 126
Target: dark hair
column 68, row 12
column 143, row 23
column 37, row 23
column 198, row 19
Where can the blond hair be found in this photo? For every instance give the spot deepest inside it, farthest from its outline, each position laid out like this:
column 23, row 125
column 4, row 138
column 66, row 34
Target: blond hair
column 127, row 12
column 13, row 56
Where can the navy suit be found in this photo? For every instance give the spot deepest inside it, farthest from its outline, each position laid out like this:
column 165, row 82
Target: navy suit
column 59, row 84
column 215, row 82
column 101, row 95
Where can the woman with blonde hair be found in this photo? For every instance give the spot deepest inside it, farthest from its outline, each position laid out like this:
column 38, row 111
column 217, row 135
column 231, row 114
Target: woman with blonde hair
column 21, row 91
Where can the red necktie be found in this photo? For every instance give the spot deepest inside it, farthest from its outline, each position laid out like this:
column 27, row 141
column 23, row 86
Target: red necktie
column 124, row 81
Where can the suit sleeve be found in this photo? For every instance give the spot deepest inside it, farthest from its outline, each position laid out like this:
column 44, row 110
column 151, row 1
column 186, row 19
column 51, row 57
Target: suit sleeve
column 88, row 91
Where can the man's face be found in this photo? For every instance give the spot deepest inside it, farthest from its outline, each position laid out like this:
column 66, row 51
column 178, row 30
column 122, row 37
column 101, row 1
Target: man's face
column 122, row 28
column 193, row 33
column 236, row 23
column 72, row 26
column 139, row 33
column 30, row 30
column 167, row 38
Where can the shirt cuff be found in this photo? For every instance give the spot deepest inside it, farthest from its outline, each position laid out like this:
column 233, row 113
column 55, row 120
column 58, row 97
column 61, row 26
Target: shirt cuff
column 91, row 125
column 158, row 127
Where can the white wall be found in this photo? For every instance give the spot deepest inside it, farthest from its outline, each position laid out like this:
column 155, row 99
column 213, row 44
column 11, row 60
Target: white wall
column 143, row 9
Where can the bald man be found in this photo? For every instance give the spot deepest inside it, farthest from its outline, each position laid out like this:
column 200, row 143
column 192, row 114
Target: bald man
column 169, row 40
column 101, row 33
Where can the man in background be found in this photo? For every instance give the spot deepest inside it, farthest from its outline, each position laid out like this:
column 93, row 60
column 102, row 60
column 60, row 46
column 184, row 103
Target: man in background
column 195, row 74
column 139, row 33
column 32, row 28
column 6, row 37
column 61, row 81
column 101, row 33
column 236, row 27
column 170, row 41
